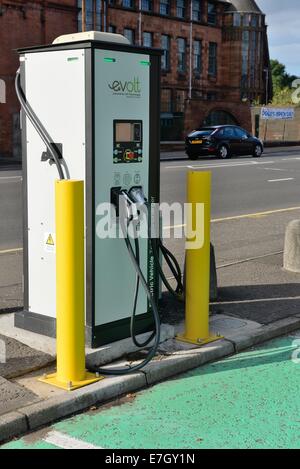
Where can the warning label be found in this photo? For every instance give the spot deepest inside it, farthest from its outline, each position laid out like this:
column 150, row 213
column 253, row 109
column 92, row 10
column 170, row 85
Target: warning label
column 49, row 242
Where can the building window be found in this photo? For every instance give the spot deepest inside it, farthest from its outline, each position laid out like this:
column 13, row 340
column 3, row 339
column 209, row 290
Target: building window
column 197, row 56
column 211, row 13
column 165, row 45
column 180, row 8
column 147, row 39
column 252, row 57
column 181, row 44
column 128, row 3
column 146, row 5
column 129, row 34
column 246, row 20
column 112, row 29
column 212, row 59
column 180, row 97
column 164, row 7
column 93, row 16
column 237, row 19
column 196, row 16
column 245, row 58
column 166, row 101
column 254, row 21
column 211, row 96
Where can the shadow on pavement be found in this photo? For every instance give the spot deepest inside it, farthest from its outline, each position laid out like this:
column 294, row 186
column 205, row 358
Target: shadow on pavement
column 261, row 303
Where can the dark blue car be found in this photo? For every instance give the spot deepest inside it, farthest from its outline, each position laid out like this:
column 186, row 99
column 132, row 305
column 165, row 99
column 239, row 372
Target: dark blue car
column 222, row 141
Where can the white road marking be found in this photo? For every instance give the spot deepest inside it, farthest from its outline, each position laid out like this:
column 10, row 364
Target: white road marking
column 281, row 180
column 10, row 177
column 291, row 158
column 240, row 217
column 64, row 441
column 224, row 165
column 277, row 169
column 11, row 251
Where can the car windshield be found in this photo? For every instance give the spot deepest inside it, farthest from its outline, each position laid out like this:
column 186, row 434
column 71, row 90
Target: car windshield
column 202, row 132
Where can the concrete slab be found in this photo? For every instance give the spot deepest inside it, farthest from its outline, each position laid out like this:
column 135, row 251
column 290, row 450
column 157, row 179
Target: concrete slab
column 38, row 342
column 111, row 352
column 11, row 295
column 13, row 396
column 20, row 359
column 101, row 356
column 229, row 326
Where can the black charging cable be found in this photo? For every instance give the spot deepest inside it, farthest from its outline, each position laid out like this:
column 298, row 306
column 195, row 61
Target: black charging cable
column 42, row 132
column 136, row 195
column 135, row 259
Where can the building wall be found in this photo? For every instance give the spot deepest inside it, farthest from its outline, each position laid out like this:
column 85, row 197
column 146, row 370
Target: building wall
column 30, row 23
column 276, row 131
column 24, row 24
column 197, row 111
column 189, row 108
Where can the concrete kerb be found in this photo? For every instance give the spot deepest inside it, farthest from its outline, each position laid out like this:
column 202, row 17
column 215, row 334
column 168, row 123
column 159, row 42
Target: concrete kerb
column 34, row 416
column 267, row 332
column 12, row 425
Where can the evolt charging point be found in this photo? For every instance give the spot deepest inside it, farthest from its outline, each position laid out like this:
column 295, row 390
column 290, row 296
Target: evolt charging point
column 98, row 98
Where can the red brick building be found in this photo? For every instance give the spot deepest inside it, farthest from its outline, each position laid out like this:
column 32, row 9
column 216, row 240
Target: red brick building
column 215, row 62
column 216, row 57
column 25, row 24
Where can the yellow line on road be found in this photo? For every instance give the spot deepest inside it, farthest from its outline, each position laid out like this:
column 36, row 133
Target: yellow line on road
column 11, row 251
column 240, row 217
column 258, row 214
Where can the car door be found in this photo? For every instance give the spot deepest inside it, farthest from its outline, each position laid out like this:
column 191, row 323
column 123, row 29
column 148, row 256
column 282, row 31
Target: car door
column 231, row 139
column 244, row 143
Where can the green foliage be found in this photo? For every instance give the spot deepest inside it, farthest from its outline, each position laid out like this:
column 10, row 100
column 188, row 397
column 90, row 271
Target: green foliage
column 283, row 96
column 281, row 79
column 282, row 84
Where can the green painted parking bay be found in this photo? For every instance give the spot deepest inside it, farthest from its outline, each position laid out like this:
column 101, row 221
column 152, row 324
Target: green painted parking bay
column 250, row 400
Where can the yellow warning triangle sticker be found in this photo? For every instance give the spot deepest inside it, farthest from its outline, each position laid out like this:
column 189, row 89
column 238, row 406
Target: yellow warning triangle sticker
column 50, row 240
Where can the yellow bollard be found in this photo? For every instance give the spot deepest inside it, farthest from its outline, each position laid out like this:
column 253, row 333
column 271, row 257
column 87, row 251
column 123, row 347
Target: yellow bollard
column 198, row 260
column 70, row 322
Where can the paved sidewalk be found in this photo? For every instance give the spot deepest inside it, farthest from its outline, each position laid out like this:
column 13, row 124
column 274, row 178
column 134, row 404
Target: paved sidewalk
column 250, row 400
column 11, row 271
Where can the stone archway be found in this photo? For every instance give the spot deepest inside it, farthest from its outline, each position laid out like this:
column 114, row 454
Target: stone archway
column 198, row 110
column 220, row 117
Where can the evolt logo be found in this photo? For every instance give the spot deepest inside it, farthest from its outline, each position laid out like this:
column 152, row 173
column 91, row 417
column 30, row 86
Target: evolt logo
column 131, row 87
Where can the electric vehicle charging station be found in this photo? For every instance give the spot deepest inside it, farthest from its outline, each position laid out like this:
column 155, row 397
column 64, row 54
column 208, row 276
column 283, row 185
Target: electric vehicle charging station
column 99, row 99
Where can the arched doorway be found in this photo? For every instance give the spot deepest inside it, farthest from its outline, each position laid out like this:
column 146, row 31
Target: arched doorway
column 219, row 117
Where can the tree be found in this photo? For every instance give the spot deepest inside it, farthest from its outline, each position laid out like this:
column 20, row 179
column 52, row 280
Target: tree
column 282, row 84
column 281, row 79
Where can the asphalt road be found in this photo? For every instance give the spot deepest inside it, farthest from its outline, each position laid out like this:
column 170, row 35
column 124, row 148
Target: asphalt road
column 240, row 186
column 10, row 209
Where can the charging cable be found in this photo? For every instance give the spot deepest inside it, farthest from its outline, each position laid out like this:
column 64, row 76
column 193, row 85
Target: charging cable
column 140, row 279
column 42, row 132
column 137, row 196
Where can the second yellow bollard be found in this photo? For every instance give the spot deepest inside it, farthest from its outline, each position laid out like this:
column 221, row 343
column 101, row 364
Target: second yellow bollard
column 198, row 260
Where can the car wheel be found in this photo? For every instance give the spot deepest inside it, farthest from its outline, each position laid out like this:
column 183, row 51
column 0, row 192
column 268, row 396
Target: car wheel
column 223, row 152
column 257, row 151
column 192, row 157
